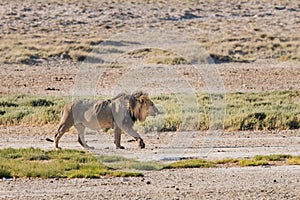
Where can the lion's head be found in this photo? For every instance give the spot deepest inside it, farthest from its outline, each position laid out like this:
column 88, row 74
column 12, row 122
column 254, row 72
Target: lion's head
column 141, row 106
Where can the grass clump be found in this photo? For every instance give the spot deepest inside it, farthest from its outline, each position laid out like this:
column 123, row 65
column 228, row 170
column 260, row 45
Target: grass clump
column 40, row 102
column 158, row 56
column 294, row 160
column 112, row 159
column 8, row 104
column 227, row 161
column 31, row 110
column 199, row 163
column 274, row 157
column 251, row 162
column 118, row 162
column 4, row 172
column 191, row 163
column 32, row 162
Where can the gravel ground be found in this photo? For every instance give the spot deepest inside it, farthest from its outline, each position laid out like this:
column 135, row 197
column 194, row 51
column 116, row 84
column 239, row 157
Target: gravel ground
column 281, row 182
column 241, row 30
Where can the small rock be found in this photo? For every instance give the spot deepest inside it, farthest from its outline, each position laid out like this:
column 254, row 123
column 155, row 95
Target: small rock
column 126, row 179
column 279, row 7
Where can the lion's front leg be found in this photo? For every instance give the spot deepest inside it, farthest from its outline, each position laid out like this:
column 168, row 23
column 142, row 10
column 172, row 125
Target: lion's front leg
column 117, row 135
column 136, row 136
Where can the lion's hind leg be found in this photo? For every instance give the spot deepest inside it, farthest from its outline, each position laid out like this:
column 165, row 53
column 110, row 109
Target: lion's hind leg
column 65, row 124
column 81, row 130
column 60, row 132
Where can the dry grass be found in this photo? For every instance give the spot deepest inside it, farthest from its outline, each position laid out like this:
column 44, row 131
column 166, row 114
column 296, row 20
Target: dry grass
column 241, row 49
column 76, row 27
column 45, row 46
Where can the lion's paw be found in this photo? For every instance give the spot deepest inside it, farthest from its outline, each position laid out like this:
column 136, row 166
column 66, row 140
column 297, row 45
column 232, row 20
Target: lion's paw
column 120, row 147
column 141, row 143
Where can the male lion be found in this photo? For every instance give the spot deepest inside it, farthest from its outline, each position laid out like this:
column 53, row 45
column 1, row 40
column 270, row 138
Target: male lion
column 119, row 113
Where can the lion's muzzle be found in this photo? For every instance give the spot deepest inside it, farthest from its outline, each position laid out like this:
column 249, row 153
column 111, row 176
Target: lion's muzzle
column 153, row 111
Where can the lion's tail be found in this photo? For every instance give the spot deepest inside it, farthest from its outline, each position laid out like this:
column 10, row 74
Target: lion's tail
column 49, row 140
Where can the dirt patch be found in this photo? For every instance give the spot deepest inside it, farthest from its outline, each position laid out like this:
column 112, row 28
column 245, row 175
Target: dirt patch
column 57, row 78
column 221, row 183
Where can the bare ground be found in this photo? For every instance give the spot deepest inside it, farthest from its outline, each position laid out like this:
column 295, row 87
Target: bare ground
column 220, row 183
column 220, row 31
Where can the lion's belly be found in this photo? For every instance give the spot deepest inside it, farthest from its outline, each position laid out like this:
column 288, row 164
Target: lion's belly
column 90, row 116
column 105, row 121
column 95, row 123
column 98, row 121
column 106, row 124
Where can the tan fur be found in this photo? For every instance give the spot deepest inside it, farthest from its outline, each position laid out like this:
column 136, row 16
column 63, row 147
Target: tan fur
column 119, row 113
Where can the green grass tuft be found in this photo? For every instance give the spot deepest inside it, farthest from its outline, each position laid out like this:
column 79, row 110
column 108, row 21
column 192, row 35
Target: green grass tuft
column 294, row 160
column 40, row 102
column 112, row 159
column 251, row 162
column 118, row 162
column 191, row 163
column 227, row 160
column 274, row 157
column 4, row 172
column 32, row 162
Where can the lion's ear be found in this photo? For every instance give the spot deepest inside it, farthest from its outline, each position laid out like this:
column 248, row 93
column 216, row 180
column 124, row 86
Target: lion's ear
column 142, row 99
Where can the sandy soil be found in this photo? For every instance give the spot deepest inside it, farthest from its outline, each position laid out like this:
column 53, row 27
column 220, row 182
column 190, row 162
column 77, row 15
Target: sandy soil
column 213, row 26
column 220, row 183
column 58, row 78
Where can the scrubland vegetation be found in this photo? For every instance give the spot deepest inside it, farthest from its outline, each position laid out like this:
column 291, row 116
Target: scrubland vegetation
column 244, row 111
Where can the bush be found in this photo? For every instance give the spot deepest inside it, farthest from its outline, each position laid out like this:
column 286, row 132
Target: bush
column 8, row 104
column 4, row 172
column 40, row 102
column 253, row 121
